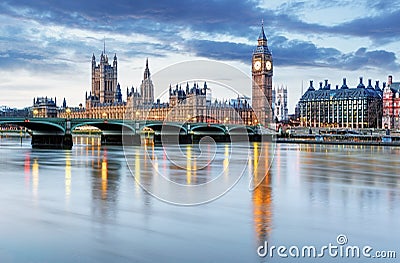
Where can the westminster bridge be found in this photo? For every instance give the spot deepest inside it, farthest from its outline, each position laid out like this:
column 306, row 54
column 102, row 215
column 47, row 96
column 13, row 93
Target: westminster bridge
column 57, row 132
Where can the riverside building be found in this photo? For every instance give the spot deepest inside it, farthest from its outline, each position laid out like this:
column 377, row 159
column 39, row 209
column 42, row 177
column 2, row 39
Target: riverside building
column 342, row 107
column 391, row 105
column 188, row 103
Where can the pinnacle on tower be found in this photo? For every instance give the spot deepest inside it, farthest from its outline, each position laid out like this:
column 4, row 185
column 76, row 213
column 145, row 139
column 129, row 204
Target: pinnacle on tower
column 262, row 33
column 147, row 70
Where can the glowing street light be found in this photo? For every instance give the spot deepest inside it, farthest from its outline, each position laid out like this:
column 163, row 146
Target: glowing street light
column 35, row 113
column 68, row 112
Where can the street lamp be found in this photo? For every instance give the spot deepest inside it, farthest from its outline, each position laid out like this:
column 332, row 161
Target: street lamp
column 68, row 112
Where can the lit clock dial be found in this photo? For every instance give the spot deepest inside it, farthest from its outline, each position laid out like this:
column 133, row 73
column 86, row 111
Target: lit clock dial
column 268, row 65
column 257, row 65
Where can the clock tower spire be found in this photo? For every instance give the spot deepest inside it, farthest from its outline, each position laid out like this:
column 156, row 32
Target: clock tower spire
column 262, row 72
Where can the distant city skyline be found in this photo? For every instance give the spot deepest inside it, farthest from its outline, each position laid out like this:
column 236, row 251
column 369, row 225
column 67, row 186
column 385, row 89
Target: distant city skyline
column 46, row 46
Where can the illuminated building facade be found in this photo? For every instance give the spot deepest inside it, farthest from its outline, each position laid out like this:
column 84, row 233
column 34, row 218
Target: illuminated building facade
column 262, row 72
column 44, row 107
column 343, row 107
column 280, row 103
column 190, row 104
column 391, row 105
column 105, row 88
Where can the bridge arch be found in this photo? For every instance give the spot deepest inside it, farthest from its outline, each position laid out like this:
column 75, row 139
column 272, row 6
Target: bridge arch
column 37, row 125
column 208, row 127
column 159, row 126
column 248, row 129
column 104, row 126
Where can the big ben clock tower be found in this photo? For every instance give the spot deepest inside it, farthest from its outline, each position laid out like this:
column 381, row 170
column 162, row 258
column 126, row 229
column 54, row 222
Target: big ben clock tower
column 262, row 72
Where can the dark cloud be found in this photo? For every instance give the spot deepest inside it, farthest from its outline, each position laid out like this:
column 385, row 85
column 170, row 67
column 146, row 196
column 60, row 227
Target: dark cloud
column 372, row 59
column 220, row 50
column 15, row 59
column 297, row 53
column 165, row 20
column 215, row 16
column 379, row 28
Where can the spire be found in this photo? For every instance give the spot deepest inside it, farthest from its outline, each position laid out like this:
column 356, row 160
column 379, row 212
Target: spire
column 147, row 70
column 262, row 34
column 262, row 46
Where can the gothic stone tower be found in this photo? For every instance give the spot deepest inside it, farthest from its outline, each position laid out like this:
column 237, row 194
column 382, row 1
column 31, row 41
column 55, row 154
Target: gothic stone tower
column 262, row 72
column 147, row 88
column 104, row 80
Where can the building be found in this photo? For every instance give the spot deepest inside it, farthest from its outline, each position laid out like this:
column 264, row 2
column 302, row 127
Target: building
column 44, row 107
column 343, row 107
column 14, row 112
column 190, row 103
column 262, row 72
column 391, row 105
column 279, row 103
column 104, row 82
column 147, row 88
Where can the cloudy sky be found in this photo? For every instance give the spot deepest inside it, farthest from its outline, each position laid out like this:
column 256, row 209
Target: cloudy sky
column 46, row 46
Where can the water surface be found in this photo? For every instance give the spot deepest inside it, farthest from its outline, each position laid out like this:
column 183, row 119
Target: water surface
column 84, row 205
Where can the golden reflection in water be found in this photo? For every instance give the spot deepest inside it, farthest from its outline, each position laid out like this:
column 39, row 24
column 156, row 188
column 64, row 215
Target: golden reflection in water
column 137, row 168
column 255, row 161
column 27, row 169
column 226, row 161
column 188, row 164
column 67, row 176
column 35, row 177
column 262, row 198
column 104, row 175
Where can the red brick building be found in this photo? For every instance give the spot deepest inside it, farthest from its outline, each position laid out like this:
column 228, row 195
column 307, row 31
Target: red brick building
column 391, row 105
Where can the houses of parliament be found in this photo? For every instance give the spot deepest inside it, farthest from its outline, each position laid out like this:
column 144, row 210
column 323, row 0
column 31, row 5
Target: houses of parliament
column 188, row 102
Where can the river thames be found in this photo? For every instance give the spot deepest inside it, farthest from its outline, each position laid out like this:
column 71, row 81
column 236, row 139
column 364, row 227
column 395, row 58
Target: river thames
column 84, row 205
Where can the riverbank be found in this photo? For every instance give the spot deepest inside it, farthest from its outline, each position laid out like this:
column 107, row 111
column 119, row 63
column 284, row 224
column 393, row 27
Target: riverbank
column 370, row 143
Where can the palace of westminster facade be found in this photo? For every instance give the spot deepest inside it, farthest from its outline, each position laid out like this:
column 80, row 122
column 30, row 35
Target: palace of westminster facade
column 190, row 103
column 365, row 106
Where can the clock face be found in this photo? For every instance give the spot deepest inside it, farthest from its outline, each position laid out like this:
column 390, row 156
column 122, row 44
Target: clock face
column 257, row 65
column 268, row 65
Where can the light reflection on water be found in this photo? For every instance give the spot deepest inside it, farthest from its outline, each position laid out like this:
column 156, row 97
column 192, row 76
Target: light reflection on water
column 84, row 205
